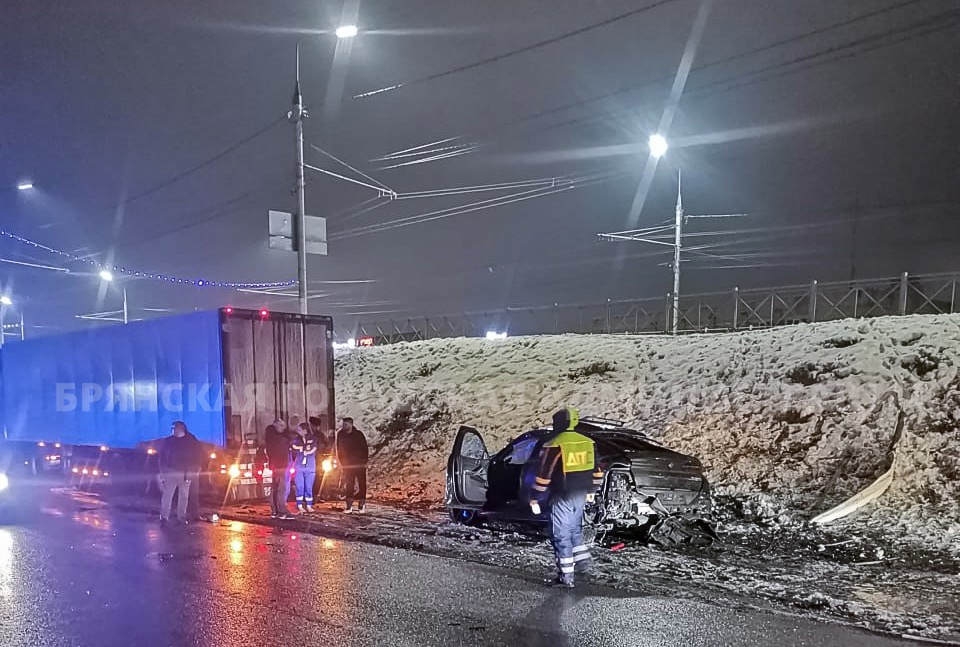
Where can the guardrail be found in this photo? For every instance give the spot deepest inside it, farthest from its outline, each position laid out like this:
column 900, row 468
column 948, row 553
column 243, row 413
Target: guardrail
column 710, row 312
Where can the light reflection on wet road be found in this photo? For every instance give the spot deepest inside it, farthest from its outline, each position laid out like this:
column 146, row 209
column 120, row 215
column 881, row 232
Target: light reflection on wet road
column 78, row 574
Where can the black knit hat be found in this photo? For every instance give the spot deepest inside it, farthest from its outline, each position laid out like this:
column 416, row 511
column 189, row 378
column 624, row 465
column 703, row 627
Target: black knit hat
column 561, row 420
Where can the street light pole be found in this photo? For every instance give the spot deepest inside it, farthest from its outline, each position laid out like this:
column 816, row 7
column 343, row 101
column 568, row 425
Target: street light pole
column 124, row 304
column 297, row 115
column 677, row 238
column 6, row 301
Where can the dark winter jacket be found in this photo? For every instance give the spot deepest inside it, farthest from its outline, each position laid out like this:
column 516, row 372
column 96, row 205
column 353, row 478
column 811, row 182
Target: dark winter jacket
column 201, row 452
column 278, row 448
column 352, row 450
column 567, row 467
column 180, row 454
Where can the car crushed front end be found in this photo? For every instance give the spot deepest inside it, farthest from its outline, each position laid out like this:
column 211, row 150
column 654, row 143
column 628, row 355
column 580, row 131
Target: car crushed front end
column 648, row 488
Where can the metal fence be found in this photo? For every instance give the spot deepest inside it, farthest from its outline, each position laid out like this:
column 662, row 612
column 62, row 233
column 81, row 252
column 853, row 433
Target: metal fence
column 712, row 312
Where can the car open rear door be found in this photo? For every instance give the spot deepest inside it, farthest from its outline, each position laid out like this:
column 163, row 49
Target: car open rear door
column 467, row 470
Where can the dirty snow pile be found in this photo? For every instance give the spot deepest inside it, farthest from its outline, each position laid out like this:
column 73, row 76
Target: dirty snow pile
column 798, row 418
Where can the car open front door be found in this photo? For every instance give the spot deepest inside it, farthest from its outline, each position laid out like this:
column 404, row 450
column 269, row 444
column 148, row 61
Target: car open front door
column 467, row 470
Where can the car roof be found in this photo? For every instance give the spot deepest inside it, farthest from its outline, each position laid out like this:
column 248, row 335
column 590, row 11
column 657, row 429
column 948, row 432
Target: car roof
column 604, row 431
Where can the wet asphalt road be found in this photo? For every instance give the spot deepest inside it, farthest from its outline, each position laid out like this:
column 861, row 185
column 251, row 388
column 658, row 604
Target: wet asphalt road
column 77, row 573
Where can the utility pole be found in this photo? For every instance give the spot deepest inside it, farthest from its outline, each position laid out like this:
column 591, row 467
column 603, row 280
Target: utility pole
column 853, row 237
column 659, row 235
column 677, row 238
column 297, row 115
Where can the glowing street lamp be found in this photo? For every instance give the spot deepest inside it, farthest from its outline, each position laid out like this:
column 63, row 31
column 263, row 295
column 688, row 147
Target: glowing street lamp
column 6, row 302
column 658, row 145
column 107, row 277
column 26, row 185
column 347, row 31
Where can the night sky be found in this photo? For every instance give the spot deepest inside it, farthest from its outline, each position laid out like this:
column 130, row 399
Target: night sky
column 155, row 134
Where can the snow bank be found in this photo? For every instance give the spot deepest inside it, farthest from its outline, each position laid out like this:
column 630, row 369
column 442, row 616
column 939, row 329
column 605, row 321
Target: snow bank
column 805, row 415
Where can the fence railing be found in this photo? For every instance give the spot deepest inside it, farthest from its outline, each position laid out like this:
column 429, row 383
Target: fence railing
column 711, row 312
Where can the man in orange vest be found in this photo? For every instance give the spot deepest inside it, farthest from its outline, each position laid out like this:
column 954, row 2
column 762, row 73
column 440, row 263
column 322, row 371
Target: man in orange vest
column 568, row 474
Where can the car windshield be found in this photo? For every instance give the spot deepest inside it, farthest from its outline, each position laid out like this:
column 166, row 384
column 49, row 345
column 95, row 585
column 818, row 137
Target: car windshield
column 521, row 450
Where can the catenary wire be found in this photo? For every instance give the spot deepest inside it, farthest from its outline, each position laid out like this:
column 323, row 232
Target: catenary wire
column 696, row 69
column 205, row 163
column 515, row 52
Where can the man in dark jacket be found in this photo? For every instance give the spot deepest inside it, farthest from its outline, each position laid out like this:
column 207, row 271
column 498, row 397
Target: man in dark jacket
column 179, row 456
column 352, row 455
column 278, row 454
column 193, row 510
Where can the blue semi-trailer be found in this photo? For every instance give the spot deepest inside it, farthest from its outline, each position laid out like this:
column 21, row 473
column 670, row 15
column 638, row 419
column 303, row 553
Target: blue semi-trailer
column 114, row 390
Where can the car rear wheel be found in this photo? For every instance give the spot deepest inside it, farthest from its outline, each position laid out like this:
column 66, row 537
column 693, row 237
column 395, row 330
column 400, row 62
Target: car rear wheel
column 463, row 517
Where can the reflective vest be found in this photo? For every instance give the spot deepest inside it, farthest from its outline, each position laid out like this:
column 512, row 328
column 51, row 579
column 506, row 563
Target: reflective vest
column 569, row 457
column 576, row 451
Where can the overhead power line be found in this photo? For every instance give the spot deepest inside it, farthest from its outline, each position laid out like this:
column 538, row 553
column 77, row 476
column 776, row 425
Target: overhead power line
column 529, row 194
column 790, row 40
column 516, row 52
column 200, row 217
column 346, row 178
column 696, row 69
column 205, row 163
column 36, row 266
column 924, row 27
column 355, row 170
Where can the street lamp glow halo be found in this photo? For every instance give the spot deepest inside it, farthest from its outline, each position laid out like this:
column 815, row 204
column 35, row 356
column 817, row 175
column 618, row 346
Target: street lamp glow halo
column 658, row 145
column 106, row 275
column 347, row 31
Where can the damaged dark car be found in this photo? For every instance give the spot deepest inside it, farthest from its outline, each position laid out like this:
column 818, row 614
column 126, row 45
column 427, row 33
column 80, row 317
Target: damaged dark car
column 652, row 491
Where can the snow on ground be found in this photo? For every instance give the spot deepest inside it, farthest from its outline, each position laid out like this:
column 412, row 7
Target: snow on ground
column 790, row 421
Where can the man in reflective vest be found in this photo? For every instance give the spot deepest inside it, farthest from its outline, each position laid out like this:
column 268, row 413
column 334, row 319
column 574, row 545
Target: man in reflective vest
column 568, row 474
